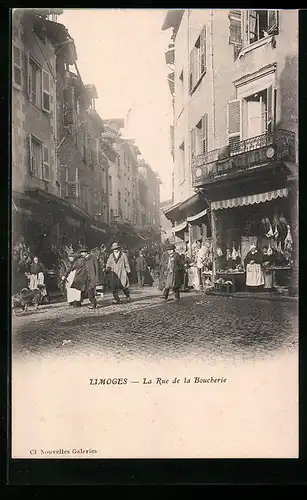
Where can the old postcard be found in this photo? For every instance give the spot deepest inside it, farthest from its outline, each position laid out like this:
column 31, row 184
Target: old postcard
column 154, row 233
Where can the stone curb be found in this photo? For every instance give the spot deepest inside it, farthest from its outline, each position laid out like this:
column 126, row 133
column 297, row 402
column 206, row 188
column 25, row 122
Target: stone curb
column 283, row 298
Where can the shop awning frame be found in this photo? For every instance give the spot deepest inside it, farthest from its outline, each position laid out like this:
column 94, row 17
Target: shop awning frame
column 250, row 199
column 178, row 228
column 197, row 217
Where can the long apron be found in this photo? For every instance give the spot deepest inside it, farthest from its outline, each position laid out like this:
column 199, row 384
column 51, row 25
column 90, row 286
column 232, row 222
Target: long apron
column 72, row 293
column 254, row 275
column 37, row 279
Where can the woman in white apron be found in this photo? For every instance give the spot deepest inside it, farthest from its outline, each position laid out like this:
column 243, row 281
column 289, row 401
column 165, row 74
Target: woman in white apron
column 73, row 295
column 37, row 275
column 254, row 274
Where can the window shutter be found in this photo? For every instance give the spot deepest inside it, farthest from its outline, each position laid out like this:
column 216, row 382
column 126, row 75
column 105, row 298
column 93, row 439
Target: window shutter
column 29, row 87
column 78, row 190
column 69, row 106
column 205, row 133
column 17, row 67
column 191, row 71
column 89, row 150
column 192, row 144
column 252, row 26
column 234, row 125
column 235, row 30
column 273, row 22
column 31, row 162
column 71, row 184
column 271, row 108
column 203, row 50
column 45, row 91
column 46, row 163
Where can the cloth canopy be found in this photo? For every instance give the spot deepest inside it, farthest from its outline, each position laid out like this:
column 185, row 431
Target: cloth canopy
column 250, row 199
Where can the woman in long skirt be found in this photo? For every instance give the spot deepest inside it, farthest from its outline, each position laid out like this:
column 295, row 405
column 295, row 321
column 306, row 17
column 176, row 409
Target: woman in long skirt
column 37, row 275
column 254, row 274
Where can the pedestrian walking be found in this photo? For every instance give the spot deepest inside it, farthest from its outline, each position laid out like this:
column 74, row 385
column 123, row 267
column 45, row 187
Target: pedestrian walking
column 172, row 272
column 118, row 269
column 89, row 273
column 141, row 267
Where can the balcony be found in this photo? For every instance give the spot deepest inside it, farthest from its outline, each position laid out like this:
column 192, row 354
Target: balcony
column 265, row 149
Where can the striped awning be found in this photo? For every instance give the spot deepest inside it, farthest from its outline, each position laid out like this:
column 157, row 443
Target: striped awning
column 250, row 199
column 198, row 216
column 180, row 227
column 98, row 229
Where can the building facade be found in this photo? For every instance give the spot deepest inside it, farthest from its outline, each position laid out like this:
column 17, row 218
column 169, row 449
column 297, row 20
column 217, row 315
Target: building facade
column 75, row 179
column 236, row 125
column 35, row 168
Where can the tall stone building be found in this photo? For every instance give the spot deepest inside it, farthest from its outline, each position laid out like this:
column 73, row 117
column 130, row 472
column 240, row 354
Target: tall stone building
column 235, row 124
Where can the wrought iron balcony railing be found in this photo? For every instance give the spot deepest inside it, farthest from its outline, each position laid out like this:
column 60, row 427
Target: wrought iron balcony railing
column 239, row 156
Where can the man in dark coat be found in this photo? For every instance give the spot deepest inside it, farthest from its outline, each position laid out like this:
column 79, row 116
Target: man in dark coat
column 141, row 266
column 172, row 272
column 90, row 274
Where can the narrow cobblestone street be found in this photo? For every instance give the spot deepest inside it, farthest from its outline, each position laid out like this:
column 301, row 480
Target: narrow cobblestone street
column 198, row 325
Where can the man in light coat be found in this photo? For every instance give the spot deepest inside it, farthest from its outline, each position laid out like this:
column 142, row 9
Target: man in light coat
column 118, row 269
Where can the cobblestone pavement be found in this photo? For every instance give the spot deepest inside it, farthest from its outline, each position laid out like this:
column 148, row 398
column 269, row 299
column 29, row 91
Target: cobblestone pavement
column 198, row 325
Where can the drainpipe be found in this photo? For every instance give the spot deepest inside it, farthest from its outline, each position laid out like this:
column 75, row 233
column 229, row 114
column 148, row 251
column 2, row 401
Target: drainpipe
column 213, row 76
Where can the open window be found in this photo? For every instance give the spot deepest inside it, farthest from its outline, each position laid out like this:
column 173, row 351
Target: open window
column 34, row 82
column 260, row 24
column 46, row 93
column 39, row 159
column 198, row 60
column 201, row 135
column 72, row 184
column 259, row 113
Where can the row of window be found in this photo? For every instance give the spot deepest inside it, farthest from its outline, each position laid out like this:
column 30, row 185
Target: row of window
column 245, row 27
column 39, row 83
column 248, row 117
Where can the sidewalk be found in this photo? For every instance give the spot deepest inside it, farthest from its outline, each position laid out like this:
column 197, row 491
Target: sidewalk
column 258, row 295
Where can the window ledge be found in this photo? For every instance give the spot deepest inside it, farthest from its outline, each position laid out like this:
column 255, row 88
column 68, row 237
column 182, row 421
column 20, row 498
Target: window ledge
column 255, row 45
column 198, row 81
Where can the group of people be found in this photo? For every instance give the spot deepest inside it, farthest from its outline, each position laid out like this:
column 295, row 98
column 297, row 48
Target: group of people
column 85, row 273
column 86, row 270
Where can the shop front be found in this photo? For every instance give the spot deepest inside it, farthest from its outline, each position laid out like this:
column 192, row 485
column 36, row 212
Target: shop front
column 261, row 222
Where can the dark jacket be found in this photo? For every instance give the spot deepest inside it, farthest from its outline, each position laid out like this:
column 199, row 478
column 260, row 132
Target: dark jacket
column 86, row 277
column 91, row 271
column 140, row 264
column 37, row 268
column 256, row 257
column 178, row 270
column 79, row 282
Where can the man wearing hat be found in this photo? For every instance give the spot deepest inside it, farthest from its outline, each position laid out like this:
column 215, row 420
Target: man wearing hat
column 90, row 276
column 172, row 272
column 118, row 269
